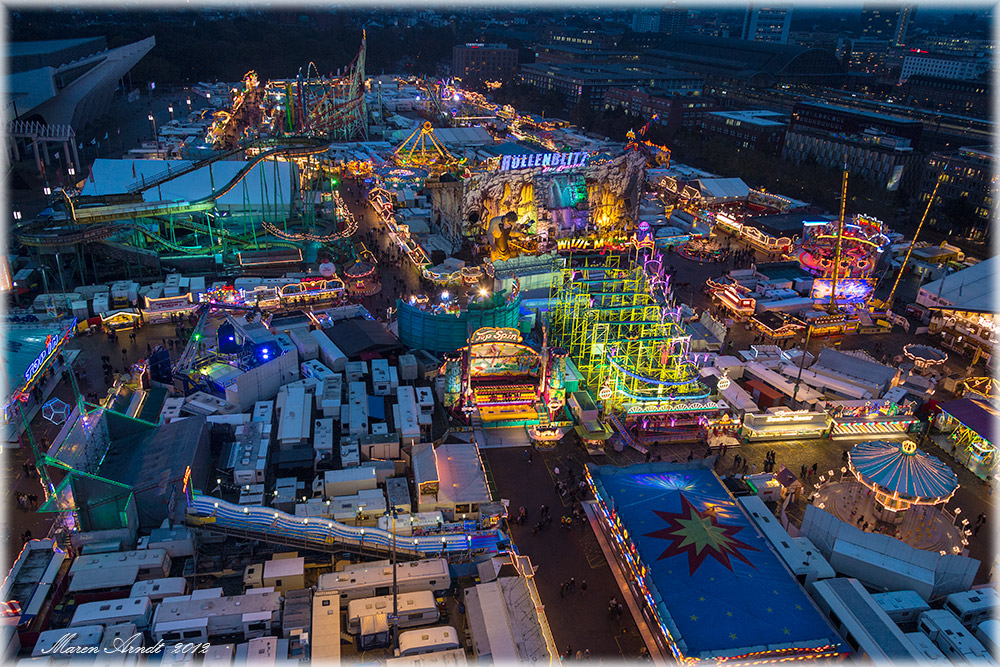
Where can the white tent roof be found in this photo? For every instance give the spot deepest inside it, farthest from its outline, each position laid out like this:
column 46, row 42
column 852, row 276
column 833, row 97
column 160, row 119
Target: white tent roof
column 115, row 176
column 464, row 136
column 723, row 188
column 970, row 288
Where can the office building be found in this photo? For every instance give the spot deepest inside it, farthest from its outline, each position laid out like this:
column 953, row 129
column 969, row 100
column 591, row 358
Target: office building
column 673, row 111
column 953, row 96
column 886, row 23
column 877, row 148
column 754, row 129
column 589, row 83
column 673, row 20
column 969, row 177
column 942, row 65
column 767, row 24
column 477, row 63
column 646, row 21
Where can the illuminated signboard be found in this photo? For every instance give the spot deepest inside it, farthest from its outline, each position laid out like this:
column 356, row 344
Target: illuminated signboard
column 542, row 160
column 51, row 345
column 851, row 289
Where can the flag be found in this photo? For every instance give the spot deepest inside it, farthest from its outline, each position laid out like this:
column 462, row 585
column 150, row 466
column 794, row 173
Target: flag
column 119, row 130
column 81, row 145
column 57, row 155
column 93, row 141
column 105, row 136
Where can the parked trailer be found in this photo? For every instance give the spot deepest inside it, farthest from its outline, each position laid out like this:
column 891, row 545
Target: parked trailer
column 158, row 589
column 427, row 640
column 113, row 612
column 953, row 638
column 972, row 607
column 422, row 575
column 413, row 609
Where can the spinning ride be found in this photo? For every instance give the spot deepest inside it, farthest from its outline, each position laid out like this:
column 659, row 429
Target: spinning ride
column 506, row 381
column 864, row 240
column 701, row 250
column 900, row 475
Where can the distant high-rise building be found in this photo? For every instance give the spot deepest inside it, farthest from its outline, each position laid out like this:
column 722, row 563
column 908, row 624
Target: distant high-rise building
column 886, row 23
column 767, row 23
column 645, row 21
column 477, row 63
column 673, row 20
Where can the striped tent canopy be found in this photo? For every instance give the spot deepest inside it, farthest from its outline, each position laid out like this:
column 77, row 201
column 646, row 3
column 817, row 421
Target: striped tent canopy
column 903, row 470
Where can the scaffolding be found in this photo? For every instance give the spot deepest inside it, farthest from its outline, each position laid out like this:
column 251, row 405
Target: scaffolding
column 623, row 333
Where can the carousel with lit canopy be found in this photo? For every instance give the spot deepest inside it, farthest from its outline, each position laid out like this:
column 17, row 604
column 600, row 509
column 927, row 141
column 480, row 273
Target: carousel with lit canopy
column 896, row 489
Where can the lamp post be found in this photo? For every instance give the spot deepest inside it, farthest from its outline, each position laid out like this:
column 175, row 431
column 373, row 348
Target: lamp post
column 189, row 103
column 152, row 122
column 802, row 363
column 171, row 110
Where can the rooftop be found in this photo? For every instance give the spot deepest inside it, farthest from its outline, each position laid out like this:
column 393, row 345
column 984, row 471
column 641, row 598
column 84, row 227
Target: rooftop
column 731, row 593
column 971, row 288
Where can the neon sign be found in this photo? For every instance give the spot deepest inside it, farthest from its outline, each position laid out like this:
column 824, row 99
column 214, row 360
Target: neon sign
column 543, row 160
column 51, row 345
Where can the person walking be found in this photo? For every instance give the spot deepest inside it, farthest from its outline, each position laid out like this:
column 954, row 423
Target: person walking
column 583, row 588
column 980, row 522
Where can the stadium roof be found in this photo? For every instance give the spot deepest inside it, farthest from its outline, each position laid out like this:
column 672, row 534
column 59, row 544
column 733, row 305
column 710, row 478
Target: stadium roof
column 744, row 59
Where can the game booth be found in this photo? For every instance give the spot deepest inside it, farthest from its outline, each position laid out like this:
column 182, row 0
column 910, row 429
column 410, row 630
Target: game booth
column 710, row 587
column 851, row 419
column 505, row 381
column 972, row 426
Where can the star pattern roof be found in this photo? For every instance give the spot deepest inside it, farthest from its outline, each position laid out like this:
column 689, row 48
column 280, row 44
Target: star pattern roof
column 715, row 582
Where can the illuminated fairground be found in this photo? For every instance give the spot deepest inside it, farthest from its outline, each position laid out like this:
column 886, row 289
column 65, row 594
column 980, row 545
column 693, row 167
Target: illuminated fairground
column 861, row 243
column 504, row 381
column 895, row 489
column 685, row 547
column 701, row 250
column 618, row 323
column 541, row 202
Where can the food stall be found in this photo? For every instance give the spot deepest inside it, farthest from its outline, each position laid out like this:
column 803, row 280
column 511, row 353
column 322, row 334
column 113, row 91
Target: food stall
column 784, row 424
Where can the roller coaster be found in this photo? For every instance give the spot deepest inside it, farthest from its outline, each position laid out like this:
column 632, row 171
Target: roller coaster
column 95, row 222
column 319, row 534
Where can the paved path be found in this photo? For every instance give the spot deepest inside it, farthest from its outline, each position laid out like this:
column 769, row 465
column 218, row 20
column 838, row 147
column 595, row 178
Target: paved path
column 578, row 620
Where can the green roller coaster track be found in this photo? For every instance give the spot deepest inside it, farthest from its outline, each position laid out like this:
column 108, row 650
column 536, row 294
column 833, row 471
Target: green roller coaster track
column 98, row 223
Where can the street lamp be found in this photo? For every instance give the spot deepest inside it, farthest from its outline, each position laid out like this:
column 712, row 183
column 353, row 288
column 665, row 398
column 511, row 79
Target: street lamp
column 189, row 103
column 171, row 110
column 46, row 190
column 72, row 170
column 17, row 213
column 153, row 122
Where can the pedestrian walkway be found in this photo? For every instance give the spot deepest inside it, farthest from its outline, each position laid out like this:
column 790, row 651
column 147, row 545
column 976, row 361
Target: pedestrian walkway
column 578, row 619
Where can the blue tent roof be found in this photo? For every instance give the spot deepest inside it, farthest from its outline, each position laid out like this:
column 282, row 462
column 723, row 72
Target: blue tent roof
column 717, row 586
column 888, row 466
